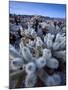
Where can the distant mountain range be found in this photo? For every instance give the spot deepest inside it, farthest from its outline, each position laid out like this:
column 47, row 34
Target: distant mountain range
column 42, row 17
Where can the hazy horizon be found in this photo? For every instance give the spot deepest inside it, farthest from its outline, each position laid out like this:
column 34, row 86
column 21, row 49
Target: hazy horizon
column 43, row 9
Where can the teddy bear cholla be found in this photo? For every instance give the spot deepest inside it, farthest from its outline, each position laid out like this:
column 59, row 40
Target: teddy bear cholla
column 33, row 64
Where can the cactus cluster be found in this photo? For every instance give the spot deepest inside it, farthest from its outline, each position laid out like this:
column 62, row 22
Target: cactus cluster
column 42, row 57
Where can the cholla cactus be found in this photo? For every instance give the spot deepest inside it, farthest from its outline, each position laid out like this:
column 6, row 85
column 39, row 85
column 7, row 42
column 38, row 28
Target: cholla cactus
column 26, row 32
column 26, row 54
column 53, row 80
column 49, row 81
column 21, row 44
column 44, row 24
column 41, row 62
column 30, row 32
column 13, row 52
column 30, row 68
column 30, row 80
column 48, row 40
column 52, row 63
column 47, row 53
column 16, row 64
column 59, row 42
column 39, row 42
column 33, row 33
column 61, row 55
column 57, row 78
column 31, row 43
column 21, row 30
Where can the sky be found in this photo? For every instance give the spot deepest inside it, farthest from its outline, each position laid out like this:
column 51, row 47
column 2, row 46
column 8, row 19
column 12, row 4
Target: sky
column 44, row 9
